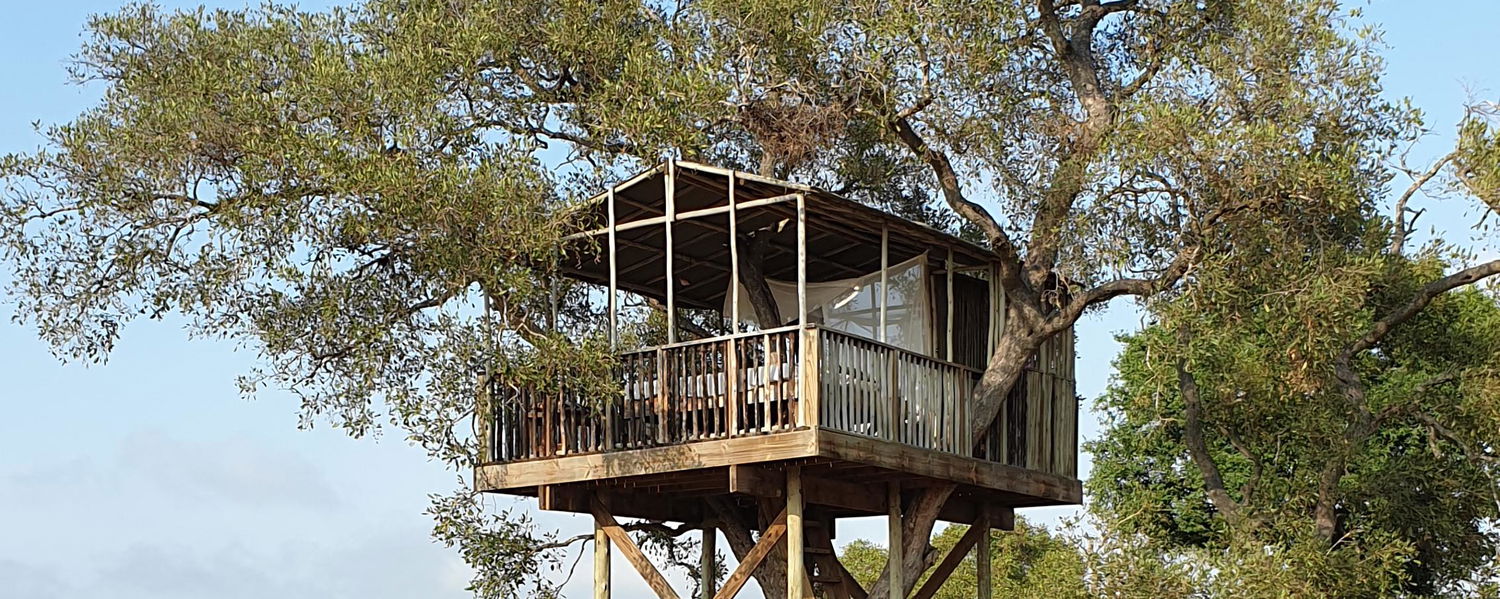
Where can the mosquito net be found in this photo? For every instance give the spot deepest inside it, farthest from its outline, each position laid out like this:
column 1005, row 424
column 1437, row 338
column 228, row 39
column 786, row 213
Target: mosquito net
column 853, row 305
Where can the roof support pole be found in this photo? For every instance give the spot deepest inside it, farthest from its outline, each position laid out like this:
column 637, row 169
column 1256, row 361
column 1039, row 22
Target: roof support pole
column 806, row 415
column 885, row 266
column 614, row 302
column 734, row 260
column 671, row 181
column 948, row 272
column 802, row 259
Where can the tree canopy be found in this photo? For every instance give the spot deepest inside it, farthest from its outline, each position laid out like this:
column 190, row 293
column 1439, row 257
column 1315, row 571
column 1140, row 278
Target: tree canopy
column 373, row 198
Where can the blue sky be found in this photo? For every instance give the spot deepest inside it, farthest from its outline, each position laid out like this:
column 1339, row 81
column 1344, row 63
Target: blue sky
column 152, row 477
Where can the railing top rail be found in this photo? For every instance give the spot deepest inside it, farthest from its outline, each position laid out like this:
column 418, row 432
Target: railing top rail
column 717, row 339
column 896, row 348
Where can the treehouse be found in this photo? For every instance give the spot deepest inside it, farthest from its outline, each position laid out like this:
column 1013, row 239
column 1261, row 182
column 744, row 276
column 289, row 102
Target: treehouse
column 842, row 384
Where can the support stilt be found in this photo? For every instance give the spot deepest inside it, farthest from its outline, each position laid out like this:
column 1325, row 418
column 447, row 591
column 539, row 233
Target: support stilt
column 796, row 566
column 708, row 571
column 893, row 539
column 895, row 559
column 984, row 574
column 601, row 563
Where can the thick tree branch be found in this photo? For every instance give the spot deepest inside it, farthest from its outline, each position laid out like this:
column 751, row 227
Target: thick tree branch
column 651, row 527
column 1362, row 421
column 753, row 251
column 1074, row 48
column 1104, row 292
column 1417, row 303
column 953, row 194
column 1192, row 437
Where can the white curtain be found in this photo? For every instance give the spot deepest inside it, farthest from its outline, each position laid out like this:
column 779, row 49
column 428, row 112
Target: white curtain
column 853, row 305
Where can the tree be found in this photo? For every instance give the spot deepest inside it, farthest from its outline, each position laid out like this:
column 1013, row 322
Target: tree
column 1028, row 562
column 373, row 197
column 1114, row 142
column 1322, row 388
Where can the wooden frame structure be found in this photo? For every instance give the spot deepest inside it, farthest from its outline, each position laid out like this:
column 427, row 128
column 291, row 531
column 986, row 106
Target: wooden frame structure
column 821, row 422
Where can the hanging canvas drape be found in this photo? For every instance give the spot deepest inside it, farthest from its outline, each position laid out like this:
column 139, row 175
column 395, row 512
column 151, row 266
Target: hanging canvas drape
column 853, row 305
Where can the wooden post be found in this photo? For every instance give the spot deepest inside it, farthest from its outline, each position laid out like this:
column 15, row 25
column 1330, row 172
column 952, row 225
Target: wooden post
column 808, row 380
column 732, row 405
column 995, row 316
column 662, row 391
column 948, row 272
column 614, row 307
column 601, row 563
column 895, row 560
column 709, row 568
column 734, row 260
column 796, row 567
column 885, row 265
column 802, row 259
column 983, row 574
column 898, row 415
column 671, row 183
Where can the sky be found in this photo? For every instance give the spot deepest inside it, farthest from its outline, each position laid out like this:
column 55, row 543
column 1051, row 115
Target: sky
column 151, row 476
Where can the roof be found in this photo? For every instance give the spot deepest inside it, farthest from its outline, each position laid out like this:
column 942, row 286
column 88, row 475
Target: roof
column 843, row 236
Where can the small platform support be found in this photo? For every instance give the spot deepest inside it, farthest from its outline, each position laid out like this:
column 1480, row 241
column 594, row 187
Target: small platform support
column 952, row 559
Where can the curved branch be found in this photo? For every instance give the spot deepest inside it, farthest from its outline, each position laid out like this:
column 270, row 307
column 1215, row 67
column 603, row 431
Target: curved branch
column 1398, row 237
column 1000, row 241
column 1192, row 436
column 1423, row 297
column 1120, row 287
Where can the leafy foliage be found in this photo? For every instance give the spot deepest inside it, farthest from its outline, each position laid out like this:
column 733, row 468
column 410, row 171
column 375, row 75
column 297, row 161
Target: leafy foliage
column 1419, row 499
column 1027, row 563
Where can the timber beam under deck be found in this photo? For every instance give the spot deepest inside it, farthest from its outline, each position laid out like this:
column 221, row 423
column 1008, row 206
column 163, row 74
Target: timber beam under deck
column 843, row 475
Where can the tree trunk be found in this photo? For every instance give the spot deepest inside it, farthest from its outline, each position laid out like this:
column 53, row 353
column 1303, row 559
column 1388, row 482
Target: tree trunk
column 771, row 575
column 753, row 249
column 1013, row 350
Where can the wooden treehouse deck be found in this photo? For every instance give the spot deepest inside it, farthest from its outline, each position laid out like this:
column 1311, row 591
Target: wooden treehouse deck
column 727, row 415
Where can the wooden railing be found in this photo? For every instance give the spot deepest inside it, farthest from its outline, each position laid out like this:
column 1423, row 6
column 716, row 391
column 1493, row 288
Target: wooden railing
column 671, row 394
column 757, row 383
column 885, row 392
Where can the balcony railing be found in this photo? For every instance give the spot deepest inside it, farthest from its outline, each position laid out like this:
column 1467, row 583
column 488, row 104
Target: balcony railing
column 758, row 383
